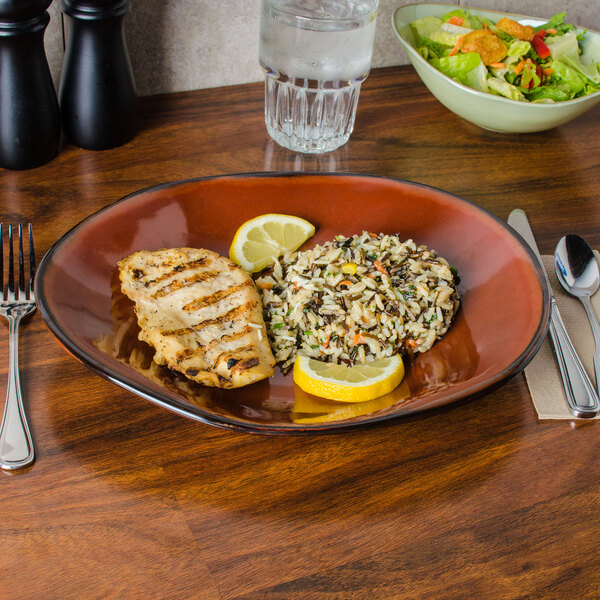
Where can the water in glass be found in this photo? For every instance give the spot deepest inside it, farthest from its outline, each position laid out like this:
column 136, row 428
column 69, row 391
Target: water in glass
column 316, row 54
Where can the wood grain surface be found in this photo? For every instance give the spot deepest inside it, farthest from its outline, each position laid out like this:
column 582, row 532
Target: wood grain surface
column 126, row 500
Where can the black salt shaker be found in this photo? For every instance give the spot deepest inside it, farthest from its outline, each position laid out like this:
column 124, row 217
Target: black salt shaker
column 29, row 113
column 97, row 88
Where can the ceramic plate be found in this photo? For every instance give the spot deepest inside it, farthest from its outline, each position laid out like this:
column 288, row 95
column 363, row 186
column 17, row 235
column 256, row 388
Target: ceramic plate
column 498, row 329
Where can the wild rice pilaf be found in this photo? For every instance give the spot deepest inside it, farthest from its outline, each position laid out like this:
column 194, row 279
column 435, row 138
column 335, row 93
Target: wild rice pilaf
column 357, row 299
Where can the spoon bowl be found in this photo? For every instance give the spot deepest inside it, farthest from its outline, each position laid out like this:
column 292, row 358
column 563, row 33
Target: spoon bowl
column 577, row 270
column 576, row 266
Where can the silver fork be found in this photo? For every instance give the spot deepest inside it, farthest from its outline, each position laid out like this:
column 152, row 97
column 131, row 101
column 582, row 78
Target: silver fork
column 16, row 446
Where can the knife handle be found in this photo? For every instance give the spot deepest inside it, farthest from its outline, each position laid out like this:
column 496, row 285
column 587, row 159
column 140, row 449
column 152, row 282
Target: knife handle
column 581, row 395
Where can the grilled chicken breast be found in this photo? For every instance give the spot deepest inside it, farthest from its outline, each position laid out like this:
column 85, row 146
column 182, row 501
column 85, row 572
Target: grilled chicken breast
column 201, row 313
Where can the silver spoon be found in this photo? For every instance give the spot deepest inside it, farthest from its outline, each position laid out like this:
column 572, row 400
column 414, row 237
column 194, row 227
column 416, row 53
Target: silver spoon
column 577, row 271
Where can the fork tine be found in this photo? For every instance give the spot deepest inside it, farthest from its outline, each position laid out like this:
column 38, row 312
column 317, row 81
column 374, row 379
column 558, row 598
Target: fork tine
column 2, row 261
column 32, row 266
column 22, row 293
column 10, row 284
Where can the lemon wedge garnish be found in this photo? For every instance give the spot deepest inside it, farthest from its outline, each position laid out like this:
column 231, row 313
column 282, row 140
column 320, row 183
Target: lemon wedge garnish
column 358, row 383
column 260, row 241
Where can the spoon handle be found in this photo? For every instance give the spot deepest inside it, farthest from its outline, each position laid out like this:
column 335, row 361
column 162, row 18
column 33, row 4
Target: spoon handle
column 587, row 304
column 581, row 395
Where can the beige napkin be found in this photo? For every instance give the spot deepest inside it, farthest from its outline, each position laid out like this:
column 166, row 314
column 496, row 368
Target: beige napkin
column 542, row 374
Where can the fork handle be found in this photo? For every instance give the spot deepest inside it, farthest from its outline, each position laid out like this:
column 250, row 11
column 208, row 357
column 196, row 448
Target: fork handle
column 16, row 446
column 581, row 395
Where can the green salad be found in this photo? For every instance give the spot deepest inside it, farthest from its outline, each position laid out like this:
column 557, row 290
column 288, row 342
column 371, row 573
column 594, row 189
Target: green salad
column 520, row 62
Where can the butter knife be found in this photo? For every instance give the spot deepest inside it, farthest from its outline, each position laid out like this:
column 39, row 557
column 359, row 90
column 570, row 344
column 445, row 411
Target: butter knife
column 581, row 396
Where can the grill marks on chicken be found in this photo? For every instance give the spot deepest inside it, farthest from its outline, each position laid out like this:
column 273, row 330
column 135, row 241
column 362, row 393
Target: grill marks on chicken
column 178, row 284
column 199, row 303
column 230, row 315
column 201, row 313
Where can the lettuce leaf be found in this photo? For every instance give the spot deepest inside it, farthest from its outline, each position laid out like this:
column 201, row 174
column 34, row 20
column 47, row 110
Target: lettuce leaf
column 554, row 93
column 590, row 88
column 459, row 12
column 557, row 22
column 569, row 77
column 518, row 48
column 425, row 26
column 503, row 88
column 470, row 21
column 477, row 78
column 588, row 71
column 563, row 45
column 429, row 49
column 567, row 63
column 458, row 66
column 449, row 34
column 529, row 77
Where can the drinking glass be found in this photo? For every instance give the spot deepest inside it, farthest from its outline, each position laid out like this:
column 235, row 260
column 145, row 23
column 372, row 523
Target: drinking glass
column 316, row 54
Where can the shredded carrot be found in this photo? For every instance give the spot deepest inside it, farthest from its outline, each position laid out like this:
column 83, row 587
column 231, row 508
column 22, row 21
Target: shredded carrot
column 266, row 285
column 358, row 339
column 456, row 21
column 457, row 46
column 373, row 235
column 520, row 66
column 296, row 285
column 326, row 343
column 380, row 267
column 412, row 343
column 497, row 65
column 551, row 31
column 346, row 282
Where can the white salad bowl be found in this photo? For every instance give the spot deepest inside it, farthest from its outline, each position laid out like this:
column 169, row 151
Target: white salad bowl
column 486, row 110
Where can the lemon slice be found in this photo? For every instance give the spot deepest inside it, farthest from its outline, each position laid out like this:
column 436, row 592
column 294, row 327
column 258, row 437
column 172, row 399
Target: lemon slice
column 260, row 241
column 358, row 383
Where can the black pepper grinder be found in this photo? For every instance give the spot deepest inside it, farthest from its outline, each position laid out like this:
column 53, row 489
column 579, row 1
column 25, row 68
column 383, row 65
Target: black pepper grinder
column 29, row 113
column 97, row 89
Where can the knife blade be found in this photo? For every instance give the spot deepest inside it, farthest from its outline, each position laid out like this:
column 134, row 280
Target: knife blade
column 581, row 396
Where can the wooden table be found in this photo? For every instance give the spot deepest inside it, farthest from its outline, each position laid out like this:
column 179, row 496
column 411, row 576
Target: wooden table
column 126, row 500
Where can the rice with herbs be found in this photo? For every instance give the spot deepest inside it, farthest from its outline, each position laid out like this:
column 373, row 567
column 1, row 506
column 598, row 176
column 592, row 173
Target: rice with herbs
column 357, row 299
